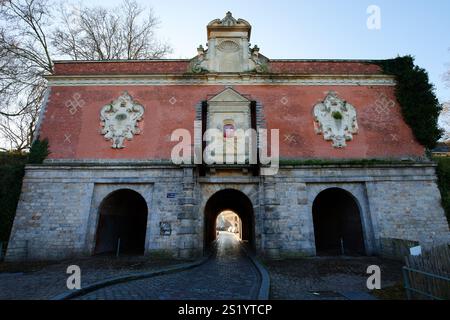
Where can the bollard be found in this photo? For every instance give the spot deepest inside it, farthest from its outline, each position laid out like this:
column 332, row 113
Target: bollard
column 342, row 247
column 118, row 248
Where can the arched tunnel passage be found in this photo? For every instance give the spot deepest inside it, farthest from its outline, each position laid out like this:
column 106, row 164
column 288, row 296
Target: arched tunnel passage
column 232, row 201
column 337, row 224
column 122, row 215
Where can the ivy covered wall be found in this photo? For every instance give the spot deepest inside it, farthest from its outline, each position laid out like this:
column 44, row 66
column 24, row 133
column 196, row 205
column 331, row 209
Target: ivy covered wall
column 415, row 93
column 12, row 170
column 443, row 172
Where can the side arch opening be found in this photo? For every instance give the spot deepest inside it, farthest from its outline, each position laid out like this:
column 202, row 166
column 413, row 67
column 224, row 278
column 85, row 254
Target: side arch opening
column 122, row 222
column 337, row 224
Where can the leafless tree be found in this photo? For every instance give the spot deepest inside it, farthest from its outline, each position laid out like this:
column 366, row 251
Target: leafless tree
column 32, row 34
column 446, row 75
column 18, row 131
column 25, row 56
column 444, row 121
column 95, row 33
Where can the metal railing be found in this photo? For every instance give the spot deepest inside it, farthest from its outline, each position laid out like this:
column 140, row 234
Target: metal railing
column 425, row 284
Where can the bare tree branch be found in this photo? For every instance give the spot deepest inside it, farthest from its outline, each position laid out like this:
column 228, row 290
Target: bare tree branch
column 30, row 37
column 94, row 33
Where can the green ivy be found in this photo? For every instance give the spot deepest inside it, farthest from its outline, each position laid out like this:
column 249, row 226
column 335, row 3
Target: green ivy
column 443, row 172
column 356, row 162
column 415, row 93
column 337, row 115
column 38, row 151
column 12, row 171
column 11, row 174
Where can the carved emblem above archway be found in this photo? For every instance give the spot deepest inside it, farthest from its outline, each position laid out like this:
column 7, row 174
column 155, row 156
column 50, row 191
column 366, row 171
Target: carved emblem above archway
column 120, row 120
column 336, row 120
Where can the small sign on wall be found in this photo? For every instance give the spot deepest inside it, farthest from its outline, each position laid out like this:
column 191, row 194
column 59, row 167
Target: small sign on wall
column 165, row 228
column 416, row 251
column 171, row 195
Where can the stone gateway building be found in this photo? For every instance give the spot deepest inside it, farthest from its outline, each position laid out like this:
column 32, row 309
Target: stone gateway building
column 110, row 179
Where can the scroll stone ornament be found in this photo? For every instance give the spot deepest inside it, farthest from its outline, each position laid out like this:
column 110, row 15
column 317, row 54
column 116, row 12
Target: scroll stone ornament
column 120, row 120
column 336, row 120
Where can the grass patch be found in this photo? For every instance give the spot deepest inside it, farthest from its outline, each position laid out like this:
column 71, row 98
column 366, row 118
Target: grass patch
column 359, row 162
column 396, row 292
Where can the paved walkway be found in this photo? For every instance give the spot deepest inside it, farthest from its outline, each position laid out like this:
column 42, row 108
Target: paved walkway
column 40, row 281
column 228, row 275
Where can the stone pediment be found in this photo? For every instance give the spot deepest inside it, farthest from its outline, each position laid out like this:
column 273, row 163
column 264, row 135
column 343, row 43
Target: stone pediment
column 228, row 114
column 229, row 95
column 229, row 22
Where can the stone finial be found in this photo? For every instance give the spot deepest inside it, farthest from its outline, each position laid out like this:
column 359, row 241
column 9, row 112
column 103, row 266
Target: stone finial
column 200, row 50
column 229, row 23
column 229, row 20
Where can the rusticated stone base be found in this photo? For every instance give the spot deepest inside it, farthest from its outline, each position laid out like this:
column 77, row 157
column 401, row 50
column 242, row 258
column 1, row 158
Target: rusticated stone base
column 57, row 215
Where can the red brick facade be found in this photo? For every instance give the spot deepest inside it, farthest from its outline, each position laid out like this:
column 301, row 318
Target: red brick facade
column 75, row 133
column 70, row 68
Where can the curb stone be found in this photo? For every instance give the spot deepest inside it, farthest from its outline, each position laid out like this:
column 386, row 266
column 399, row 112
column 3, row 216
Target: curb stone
column 131, row 277
column 264, row 290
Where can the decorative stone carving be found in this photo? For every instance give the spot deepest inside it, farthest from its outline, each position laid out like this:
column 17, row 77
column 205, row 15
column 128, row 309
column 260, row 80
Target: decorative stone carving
column 228, row 112
column 229, row 49
column 196, row 64
column 120, row 120
column 336, row 120
column 260, row 63
column 228, row 46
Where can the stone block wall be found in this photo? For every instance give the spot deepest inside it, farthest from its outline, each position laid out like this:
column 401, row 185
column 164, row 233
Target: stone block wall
column 396, row 202
column 50, row 222
column 58, row 211
column 409, row 210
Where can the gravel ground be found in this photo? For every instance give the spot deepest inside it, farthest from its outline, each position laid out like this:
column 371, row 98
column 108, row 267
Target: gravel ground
column 327, row 278
column 44, row 280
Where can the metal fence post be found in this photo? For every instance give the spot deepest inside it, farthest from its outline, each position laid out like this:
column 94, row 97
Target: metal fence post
column 1, row 251
column 342, row 247
column 26, row 249
column 406, row 281
column 118, row 248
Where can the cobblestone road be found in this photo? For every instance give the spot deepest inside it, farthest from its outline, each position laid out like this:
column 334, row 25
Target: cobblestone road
column 228, row 275
column 40, row 281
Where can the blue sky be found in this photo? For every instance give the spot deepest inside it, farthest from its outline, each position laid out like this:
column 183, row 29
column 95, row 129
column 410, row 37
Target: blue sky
column 322, row 29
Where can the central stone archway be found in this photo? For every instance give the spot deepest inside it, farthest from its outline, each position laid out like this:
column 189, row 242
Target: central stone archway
column 229, row 200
